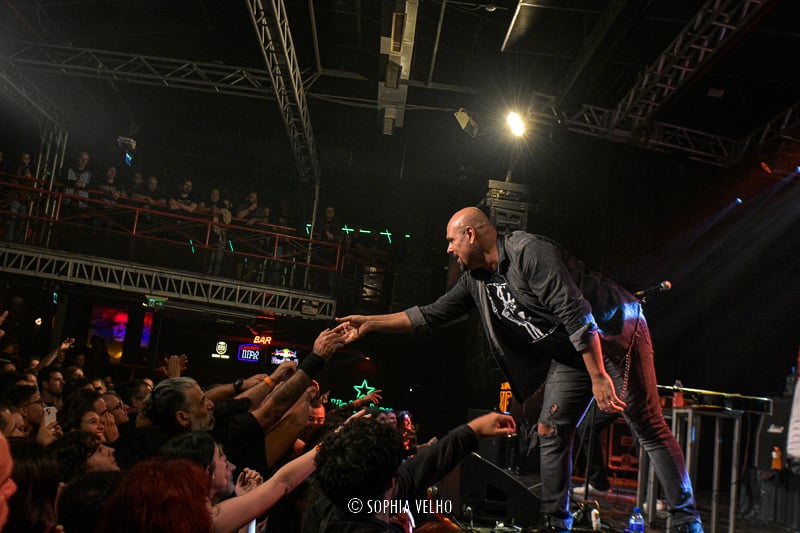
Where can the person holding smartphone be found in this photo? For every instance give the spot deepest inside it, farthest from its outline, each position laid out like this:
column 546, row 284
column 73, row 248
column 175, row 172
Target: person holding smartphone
column 29, row 403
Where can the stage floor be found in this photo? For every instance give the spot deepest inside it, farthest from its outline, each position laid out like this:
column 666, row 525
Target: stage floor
column 616, row 506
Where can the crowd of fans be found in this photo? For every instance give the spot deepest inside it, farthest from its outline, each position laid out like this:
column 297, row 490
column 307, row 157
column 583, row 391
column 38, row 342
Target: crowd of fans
column 80, row 452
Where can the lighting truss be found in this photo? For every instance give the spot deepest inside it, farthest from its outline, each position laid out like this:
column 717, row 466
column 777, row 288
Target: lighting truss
column 783, row 127
column 24, row 93
column 180, row 287
column 141, row 69
column 272, row 26
column 597, row 122
column 715, row 27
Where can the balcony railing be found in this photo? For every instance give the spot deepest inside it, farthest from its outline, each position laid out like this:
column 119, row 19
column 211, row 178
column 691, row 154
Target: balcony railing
column 93, row 223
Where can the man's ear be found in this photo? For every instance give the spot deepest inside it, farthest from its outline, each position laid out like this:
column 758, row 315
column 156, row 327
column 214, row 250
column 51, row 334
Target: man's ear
column 182, row 418
column 471, row 235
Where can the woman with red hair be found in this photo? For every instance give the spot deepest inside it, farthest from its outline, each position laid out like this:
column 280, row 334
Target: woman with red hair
column 160, row 496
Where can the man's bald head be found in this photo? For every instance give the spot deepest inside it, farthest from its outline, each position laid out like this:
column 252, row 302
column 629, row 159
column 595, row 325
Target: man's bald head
column 470, row 216
column 472, row 239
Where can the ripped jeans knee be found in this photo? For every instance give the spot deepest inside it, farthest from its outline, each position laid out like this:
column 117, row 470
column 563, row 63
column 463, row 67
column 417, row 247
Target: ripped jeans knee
column 548, row 435
column 545, row 429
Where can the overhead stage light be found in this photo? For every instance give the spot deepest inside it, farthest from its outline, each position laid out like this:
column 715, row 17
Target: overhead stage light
column 516, row 123
column 466, row 122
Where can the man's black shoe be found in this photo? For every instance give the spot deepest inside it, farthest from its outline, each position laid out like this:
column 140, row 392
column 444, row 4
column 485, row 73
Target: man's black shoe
column 551, row 525
column 688, row 527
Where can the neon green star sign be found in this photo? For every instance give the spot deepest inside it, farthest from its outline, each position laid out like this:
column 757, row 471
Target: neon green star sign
column 363, row 390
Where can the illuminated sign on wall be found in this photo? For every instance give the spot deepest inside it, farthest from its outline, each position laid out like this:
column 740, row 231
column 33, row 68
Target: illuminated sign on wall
column 505, row 396
column 221, row 351
column 262, row 340
column 282, row 355
column 363, row 390
column 249, row 353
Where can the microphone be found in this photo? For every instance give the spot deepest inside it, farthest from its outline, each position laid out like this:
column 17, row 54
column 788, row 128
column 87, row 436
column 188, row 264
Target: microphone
column 661, row 287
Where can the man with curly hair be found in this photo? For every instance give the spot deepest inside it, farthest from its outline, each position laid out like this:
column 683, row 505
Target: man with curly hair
column 360, row 467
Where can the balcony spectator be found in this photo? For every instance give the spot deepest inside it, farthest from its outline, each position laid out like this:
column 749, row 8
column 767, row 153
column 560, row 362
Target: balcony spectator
column 287, row 248
column 17, row 199
column 150, row 198
column 151, row 194
column 182, row 202
column 107, row 194
column 218, row 209
column 108, row 189
column 135, row 185
column 75, row 184
column 329, row 230
column 247, row 213
column 264, row 244
column 77, row 181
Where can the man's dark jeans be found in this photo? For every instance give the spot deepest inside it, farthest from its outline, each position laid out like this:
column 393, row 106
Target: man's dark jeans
column 567, row 392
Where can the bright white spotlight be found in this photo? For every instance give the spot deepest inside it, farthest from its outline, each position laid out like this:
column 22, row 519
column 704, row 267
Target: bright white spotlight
column 516, row 124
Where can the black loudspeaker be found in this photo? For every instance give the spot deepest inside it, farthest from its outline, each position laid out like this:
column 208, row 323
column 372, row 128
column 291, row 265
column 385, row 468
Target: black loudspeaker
column 485, row 493
column 773, row 432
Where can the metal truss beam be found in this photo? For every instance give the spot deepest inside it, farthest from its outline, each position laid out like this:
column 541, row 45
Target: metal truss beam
column 272, row 27
column 596, row 121
column 146, row 70
column 240, row 81
column 182, row 288
column 24, row 93
column 713, row 29
column 784, row 127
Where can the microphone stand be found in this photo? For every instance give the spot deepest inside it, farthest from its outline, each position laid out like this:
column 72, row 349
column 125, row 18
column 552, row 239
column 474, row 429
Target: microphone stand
column 592, row 402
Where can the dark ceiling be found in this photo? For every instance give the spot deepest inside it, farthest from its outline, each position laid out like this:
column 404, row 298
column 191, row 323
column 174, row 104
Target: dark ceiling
column 579, row 51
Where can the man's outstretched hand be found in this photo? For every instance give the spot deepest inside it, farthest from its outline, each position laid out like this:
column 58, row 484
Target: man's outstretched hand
column 354, row 327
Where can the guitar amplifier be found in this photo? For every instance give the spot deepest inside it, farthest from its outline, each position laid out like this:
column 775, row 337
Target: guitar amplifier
column 774, row 432
column 622, row 453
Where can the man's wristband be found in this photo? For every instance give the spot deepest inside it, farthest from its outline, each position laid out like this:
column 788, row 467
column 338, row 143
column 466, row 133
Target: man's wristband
column 269, row 382
column 312, row 363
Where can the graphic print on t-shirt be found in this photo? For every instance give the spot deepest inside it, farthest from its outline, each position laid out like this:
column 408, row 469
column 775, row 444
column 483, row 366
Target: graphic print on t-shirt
column 512, row 316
